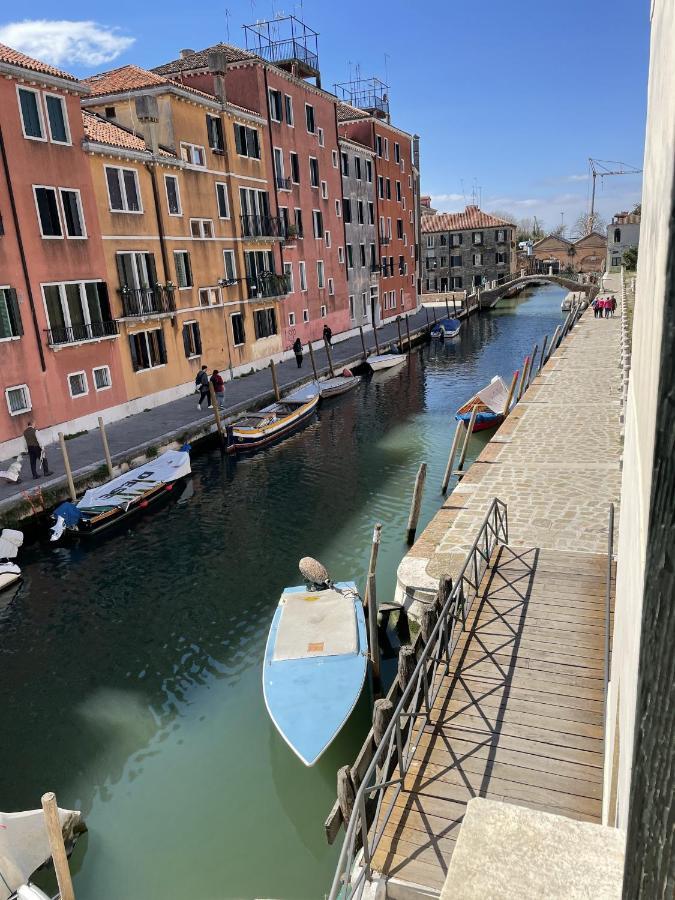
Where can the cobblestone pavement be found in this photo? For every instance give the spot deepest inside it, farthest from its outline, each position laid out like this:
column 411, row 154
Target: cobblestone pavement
column 555, row 461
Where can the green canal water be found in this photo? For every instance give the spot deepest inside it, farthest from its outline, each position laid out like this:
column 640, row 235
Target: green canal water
column 131, row 668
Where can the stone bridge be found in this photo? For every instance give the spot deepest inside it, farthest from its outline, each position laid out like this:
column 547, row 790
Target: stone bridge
column 491, row 296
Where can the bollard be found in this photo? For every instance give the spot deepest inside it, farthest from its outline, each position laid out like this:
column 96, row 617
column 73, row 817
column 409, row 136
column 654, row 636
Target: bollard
column 532, row 360
column 69, row 471
column 428, row 619
column 377, row 346
column 447, row 308
column 406, row 666
column 522, row 378
column 57, row 847
column 426, row 313
column 416, row 504
column 542, row 358
column 313, row 361
column 275, row 383
column 106, row 449
column 451, row 458
column 383, row 711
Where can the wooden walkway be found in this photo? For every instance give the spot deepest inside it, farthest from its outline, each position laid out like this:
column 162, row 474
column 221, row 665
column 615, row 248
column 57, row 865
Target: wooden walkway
column 518, row 718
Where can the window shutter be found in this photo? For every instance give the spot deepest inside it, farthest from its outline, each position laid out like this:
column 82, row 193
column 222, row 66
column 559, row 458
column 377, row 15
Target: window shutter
column 161, row 345
column 14, row 312
column 121, row 270
column 198, row 339
column 152, row 269
column 186, row 341
column 134, row 354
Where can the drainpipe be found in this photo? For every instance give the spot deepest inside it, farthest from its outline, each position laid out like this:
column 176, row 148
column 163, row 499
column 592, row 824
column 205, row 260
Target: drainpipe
column 22, row 253
column 274, row 174
column 147, row 112
column 342, row 196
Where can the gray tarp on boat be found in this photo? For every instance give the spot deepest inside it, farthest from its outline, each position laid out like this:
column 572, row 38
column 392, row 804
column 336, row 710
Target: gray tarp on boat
column 495, row 395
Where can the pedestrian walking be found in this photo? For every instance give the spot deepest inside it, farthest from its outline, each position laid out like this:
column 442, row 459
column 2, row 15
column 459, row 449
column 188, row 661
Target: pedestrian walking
column 36, row 451
column 202, row 385
column 608, row 307
column 297, row 349
column 613, row 302
column 219, row 388
column 327, row 335
column 596, row 308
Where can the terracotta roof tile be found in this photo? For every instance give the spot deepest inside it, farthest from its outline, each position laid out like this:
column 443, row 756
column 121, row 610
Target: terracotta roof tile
column 101, row 131
column 133, row 78
column 472, row 217
column 347, row 113
column 199, row 59
column 14, row 58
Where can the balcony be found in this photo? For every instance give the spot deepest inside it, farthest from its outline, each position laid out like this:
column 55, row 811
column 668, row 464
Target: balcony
column 283, row 183
column 262, row 227
column 154, row 301
column 384, row 240
column 267, row 284
column 76, row 334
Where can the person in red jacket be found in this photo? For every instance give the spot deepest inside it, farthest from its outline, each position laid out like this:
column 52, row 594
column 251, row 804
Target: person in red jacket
column 219, row 388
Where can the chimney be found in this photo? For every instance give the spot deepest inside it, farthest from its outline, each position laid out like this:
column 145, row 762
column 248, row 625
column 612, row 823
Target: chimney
column 184, row 53
column 217, row 63
column 147, row 113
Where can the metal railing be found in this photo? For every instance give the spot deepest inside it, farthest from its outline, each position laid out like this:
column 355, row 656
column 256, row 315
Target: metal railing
column 287, row 50
column 608, row 604
column 73, row 334
column 262, row 226
column 393, row 756
column 147, row 301
column 283, row 182
column 384, row 240
column 268, row 284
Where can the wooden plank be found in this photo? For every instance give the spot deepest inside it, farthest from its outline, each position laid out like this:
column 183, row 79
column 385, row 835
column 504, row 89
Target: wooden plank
column 409, row 869
column 501, row 696
column 475, row 688
column 494, row 718
column 525, row 646
column 529, row 731
column 485, row 669
column 556, row 663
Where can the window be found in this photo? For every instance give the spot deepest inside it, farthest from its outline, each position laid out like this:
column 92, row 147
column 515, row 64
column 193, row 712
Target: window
column 238, row 333
column 288, row 272
column 264, row 323
column 326, row 238
column 347, row 210
column 331, row 287
column 324, row 190
column 373, row 257
column 378, row 145
column 338, row 208
column 456, row 240
column 302, row 265
column 192, row 341
column 76, row 311
column 73, row 217
column 371, row 213
column 369, row 170
column 147, row 349
column 291, row 319
column 477, row 259
column 31, row 114
column 443, row 240
column 320, row 136
column 289, row 109
column 279, row 168
column 477, row 280
column 201, row 228
column 54, row 207
column 110, row 112
column 229, row 266
column 210, row 296
column 285, row 221
column 335, row 158
column 386, row 148
column 388, row 188
column 500, row 257
column 350, row 257
column 362, row 254
column 172, row 195
column 18, row 399
column 399, row 229
column 397, row 153
column 380, row 187
column 398, row 191
column 181, row 260
column 430, row 241
column 345, row 163
column 317, row 221
column 295, row 168
column 322, row 311
column 456, row 282
column 313, row 172
column 351, row 308
column 57, row 119
column 341, row 254
column 276, row 110
column 222, row 200
column 500, row 235
column 193, row 154
column 309, row 118
column 357, row 167
column 10, row 317
column 305, row 315
column 364, row 305
column 477, row 237
column 389, row 227
column 246, row 141
column 214, row 130
column 455, row 262
column 123, row 191
column 102, row 379
column 359, row 212
column 77, row 384
column 48, row 212
column 403, row 266
column 617, row 235
column 320, row 274
column 298, row 223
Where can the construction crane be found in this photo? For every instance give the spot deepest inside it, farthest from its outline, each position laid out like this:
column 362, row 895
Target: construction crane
column 601, row 167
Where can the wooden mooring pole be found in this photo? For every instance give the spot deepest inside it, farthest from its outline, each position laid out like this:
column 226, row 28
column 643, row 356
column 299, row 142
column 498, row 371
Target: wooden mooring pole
column 275, row 383
column 106, row 448
column 532, row 361
column 57, row 847
column 416, row 503
column 406, row 666
column 426, row 313
column 377, row 346
column 542, row 358
column 400, row 338
column 69, row 471
column 467, row 437
column 373, row 637
column 451, row 458
column 374, row 551
column 407, row 331
column 216, row 412
column 346, row 794
column 363, row 341
column 507, row 405
column 330, row 358
column 313, row 361
column 447, row 308
column 526, row 366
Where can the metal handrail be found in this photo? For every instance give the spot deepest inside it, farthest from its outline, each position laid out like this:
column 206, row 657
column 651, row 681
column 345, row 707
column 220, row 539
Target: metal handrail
column 608, row 603
column 421, row 690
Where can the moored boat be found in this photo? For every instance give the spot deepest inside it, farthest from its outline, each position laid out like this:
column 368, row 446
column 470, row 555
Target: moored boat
column 379, row 361
column 490, row 405
column 10, row 573
column 333, row 387
column 446, row 328
column 255, row 430
column 122, row 497
column 315, row 665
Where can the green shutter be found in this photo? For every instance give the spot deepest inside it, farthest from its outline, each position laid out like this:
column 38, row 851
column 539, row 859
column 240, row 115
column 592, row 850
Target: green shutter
column 198, row 339
column 134, row 354
column 186, row 341
column 14, row 312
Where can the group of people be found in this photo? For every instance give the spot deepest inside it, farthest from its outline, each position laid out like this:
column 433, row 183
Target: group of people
column 202, row 385
column 603, row 307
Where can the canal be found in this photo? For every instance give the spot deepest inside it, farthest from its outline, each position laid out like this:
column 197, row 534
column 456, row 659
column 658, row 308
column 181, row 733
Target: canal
column 131, row 668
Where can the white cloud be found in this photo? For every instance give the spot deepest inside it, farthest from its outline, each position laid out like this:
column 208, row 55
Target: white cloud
column 64, row 43
column 446, row 198
column 583, row 177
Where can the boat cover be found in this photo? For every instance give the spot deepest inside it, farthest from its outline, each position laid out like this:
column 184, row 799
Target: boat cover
column 302, row 395
column 24, row 845
column 123, row 490
column 10, row 541
column 495, row 395
column 318, row 623
column 447, row 324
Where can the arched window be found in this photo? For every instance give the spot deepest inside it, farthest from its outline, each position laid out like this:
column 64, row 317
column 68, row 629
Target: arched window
column 617, row 235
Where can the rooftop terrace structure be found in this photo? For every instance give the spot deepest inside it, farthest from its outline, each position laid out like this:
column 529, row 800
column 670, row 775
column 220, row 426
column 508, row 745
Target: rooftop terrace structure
column 369, row 94
column 287, row 42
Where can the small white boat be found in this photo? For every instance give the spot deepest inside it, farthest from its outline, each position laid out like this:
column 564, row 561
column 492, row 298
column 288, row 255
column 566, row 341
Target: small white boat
column 446, row 328
column 10, row 541
column 315, row 665
column 333, row 387
column 380, row 361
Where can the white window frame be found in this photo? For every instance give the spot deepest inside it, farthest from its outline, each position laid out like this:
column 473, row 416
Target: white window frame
column 193, row 322
column 327, row 239
column 19, row 387
column 291, row 319
column 321, row 137
column 305, row 315
column 324, row 190
column 331, row 287
column 320, row 274
column 85, row 392
column 166, row 191
column 288, row 104
column 66, row 122
column 202, row 236
column 223, row 184
column 314, row 186
column 386, row 148
column 41, row 113
column 310, row 106
column 59, row 209
column 335, row 159
column 105, row 387
column 125, row 210
column 288, row 272
column 191, row 148
column 243, row 322
column 302, row 266
column 82, row 289
column 233, row 257
column 338, row 209
column 341, row 255
column 80, row 210
column 271, row 91
column 323, row 312
column 430, row 241
column 187, row 287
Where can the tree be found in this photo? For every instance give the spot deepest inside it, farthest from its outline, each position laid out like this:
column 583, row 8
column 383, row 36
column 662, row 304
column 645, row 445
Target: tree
column 529, row 229
column 503, row 214
column 630, row 258
column 637, row 209
column 586, row 223
column 558, row 231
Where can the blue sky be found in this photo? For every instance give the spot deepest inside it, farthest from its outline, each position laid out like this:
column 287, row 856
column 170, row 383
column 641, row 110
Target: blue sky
column 510, row 97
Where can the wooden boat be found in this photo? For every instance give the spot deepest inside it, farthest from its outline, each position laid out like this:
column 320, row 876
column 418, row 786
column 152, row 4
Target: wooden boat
column 380, row 361
column 10, row 573
column 333, row 387
column 315, row 665
column 122, row 497
column 490, row 403
column 259, row 429
column 446, row 328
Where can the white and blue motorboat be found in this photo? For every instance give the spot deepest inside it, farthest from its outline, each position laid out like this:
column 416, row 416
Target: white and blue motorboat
column 315, row 665
column 446, row 328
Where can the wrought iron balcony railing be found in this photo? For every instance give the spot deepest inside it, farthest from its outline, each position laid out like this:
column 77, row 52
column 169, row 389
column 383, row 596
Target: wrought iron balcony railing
column 384, row 240
column 283, row 183
column 268, row 284
column 138, row 302
column 262, row 226
column 74, row 334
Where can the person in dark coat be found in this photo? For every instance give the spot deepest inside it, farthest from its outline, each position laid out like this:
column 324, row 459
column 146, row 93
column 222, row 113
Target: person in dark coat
column 35, row 451
column 219, row 388
column 327, row 335
column 202, row 385
column 297, row 349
